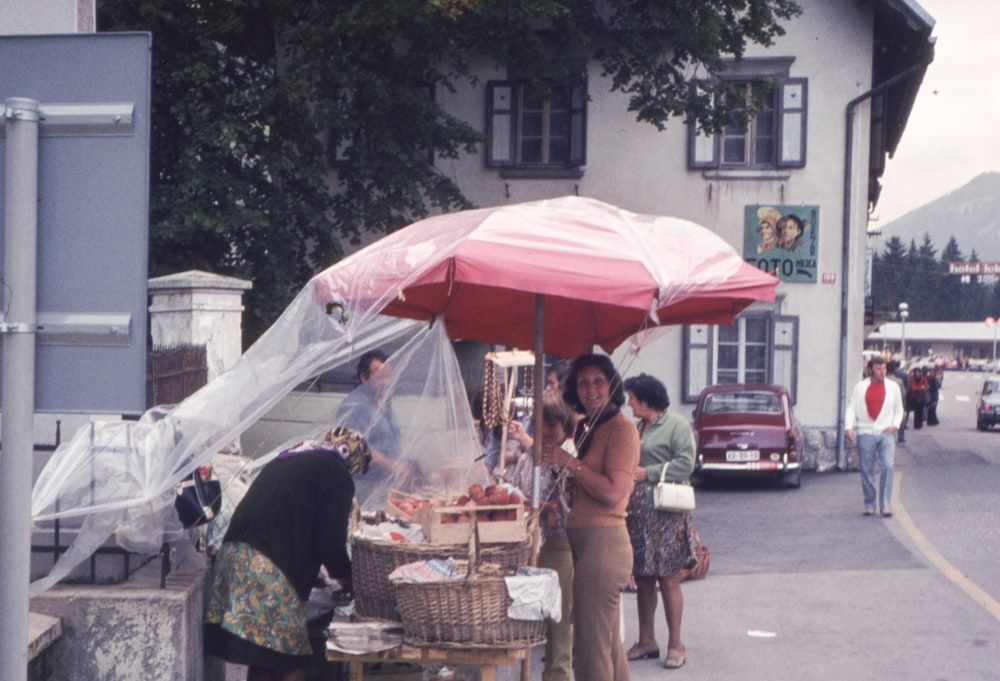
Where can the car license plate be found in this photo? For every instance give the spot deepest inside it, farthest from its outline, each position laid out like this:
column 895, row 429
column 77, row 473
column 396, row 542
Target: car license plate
column 743, row 455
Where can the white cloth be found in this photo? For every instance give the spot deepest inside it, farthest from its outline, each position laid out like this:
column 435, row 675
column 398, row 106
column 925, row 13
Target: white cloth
column 535, row 593
column 857, row 418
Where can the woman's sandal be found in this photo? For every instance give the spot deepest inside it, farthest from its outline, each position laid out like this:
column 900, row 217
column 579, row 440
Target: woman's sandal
column 675, row 659
column 637, row 653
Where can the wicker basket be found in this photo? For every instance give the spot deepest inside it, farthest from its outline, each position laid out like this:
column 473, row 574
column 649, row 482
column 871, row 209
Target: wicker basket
column 704, row 560
column 463, row 613
column 373, row 560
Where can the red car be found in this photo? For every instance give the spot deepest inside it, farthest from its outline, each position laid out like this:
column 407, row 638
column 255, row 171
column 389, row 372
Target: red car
column 748, row 429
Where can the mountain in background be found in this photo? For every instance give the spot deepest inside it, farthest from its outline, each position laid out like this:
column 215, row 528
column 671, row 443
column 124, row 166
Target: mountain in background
column 970, row 213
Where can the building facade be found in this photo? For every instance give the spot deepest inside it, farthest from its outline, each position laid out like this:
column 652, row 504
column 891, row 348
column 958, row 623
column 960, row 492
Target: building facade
column 839, row 84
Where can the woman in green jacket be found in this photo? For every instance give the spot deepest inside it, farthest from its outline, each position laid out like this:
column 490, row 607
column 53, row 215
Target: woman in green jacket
column 662, row 541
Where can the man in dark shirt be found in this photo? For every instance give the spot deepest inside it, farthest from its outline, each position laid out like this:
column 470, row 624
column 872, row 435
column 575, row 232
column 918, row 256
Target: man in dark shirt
column 903, row 381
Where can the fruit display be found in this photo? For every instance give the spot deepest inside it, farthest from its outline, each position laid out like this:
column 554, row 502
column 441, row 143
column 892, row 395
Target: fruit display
column 499, row 512
column 406, row 506
column 494, row 502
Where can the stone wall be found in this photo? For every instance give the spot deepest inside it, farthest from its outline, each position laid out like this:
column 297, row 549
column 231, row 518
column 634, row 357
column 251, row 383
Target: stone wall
column 134, row 631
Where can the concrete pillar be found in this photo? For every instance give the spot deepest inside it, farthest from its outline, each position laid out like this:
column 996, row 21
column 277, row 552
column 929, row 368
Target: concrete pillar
column 199, row 308
column 46, row 17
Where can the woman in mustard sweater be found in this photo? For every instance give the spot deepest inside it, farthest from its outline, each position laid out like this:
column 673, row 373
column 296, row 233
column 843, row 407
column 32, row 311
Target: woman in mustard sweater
column 608, row 449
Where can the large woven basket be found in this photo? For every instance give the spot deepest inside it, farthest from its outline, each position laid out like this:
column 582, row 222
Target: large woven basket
column 373, row 560
column 463, row 613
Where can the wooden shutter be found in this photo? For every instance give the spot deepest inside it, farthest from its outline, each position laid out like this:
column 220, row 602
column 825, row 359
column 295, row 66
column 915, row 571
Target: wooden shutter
column 786, row 354
column 792, row 124
column 697, row 373
column 501, row 124
column 578, row 128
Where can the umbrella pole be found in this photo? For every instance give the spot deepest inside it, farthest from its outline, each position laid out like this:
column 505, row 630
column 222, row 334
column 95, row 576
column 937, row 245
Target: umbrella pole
column 539, row 386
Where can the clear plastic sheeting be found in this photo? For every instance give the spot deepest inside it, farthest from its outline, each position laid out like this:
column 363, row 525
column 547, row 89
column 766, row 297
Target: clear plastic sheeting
column 114, row 481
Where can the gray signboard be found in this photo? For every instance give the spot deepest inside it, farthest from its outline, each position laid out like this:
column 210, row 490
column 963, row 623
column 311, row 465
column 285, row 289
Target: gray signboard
column 93, row 92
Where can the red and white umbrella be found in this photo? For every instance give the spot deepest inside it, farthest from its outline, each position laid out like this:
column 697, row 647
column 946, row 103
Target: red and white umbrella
column 602, row 273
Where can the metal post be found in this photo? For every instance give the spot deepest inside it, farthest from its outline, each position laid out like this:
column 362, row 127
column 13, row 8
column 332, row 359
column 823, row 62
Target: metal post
column 904, row 313
column 21, row 117
column 990, row 321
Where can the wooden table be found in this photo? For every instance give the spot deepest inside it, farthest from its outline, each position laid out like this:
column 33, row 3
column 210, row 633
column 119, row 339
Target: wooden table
column 486, row 658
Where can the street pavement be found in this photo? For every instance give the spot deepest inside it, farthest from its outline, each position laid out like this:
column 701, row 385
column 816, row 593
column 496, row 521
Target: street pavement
column 803, row 586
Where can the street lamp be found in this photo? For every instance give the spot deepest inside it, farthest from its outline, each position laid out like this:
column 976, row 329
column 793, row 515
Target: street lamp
column 904, row 312
column 992, row 322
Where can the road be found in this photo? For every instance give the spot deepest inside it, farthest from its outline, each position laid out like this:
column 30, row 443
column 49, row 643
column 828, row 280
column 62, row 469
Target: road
column 803, row 586
column 844, row 596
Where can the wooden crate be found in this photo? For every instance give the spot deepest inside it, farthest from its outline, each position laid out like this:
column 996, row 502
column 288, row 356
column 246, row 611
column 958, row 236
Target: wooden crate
column 452, row 524
column 392, row 508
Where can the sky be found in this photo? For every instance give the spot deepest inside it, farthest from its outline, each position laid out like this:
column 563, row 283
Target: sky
column 953, row 133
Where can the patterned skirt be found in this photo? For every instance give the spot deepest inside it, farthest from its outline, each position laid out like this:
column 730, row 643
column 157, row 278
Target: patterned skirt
column 254, row 616
column 662, row 541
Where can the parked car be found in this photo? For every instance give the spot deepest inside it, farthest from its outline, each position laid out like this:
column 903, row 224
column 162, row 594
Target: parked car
column 988, row 404
column 980, row 365
column 748, row 429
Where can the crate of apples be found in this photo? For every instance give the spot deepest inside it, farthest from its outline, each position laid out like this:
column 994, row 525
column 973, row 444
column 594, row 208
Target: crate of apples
column 499, row 512
column 406, row 506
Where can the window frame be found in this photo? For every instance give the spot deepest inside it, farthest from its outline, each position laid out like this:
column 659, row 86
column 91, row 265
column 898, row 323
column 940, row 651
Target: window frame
column 701, row 353
column 751, row 138
column 789, row 130
column 505, row 112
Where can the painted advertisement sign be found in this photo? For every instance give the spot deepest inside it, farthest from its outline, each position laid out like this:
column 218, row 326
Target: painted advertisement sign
column 782, row 240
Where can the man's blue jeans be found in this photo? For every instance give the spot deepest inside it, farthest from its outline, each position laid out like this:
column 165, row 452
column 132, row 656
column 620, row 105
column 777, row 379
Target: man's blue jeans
column 882, row 446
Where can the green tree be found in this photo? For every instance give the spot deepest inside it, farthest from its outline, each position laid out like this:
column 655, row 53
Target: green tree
column 952, row 299
column 249, row 97
column 888, row 273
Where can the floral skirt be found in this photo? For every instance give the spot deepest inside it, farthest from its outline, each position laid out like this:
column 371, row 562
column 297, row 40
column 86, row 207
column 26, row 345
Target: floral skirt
column 662, row 541
column 254, row 616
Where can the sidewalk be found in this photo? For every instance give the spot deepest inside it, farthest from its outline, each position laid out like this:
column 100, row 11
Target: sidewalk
column 817, row 618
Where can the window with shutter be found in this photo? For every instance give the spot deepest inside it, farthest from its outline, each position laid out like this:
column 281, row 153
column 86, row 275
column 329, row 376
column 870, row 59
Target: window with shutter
column 761, row 347
column 775, row 136
column 536, row 131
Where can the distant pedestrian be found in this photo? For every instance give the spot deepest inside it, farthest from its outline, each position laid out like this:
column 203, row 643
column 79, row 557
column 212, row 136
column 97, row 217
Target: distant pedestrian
column 934, row 379
column 902, row 379
column 875, row 409
column 919, row 397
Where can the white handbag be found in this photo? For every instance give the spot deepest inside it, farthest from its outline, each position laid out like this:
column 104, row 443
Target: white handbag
column 672, row 496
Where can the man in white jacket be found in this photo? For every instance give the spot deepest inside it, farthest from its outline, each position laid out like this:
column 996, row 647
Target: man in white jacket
column 874, row 412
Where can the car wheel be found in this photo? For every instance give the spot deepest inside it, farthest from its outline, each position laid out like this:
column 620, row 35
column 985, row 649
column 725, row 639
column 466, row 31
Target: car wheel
column 792, row 480
column 982, row 425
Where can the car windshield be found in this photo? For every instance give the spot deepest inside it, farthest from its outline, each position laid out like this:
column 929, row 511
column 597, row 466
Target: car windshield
column 990, row 387
column 747, row 402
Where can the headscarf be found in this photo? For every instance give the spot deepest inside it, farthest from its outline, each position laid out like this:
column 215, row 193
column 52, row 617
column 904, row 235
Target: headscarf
column 348, row 444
